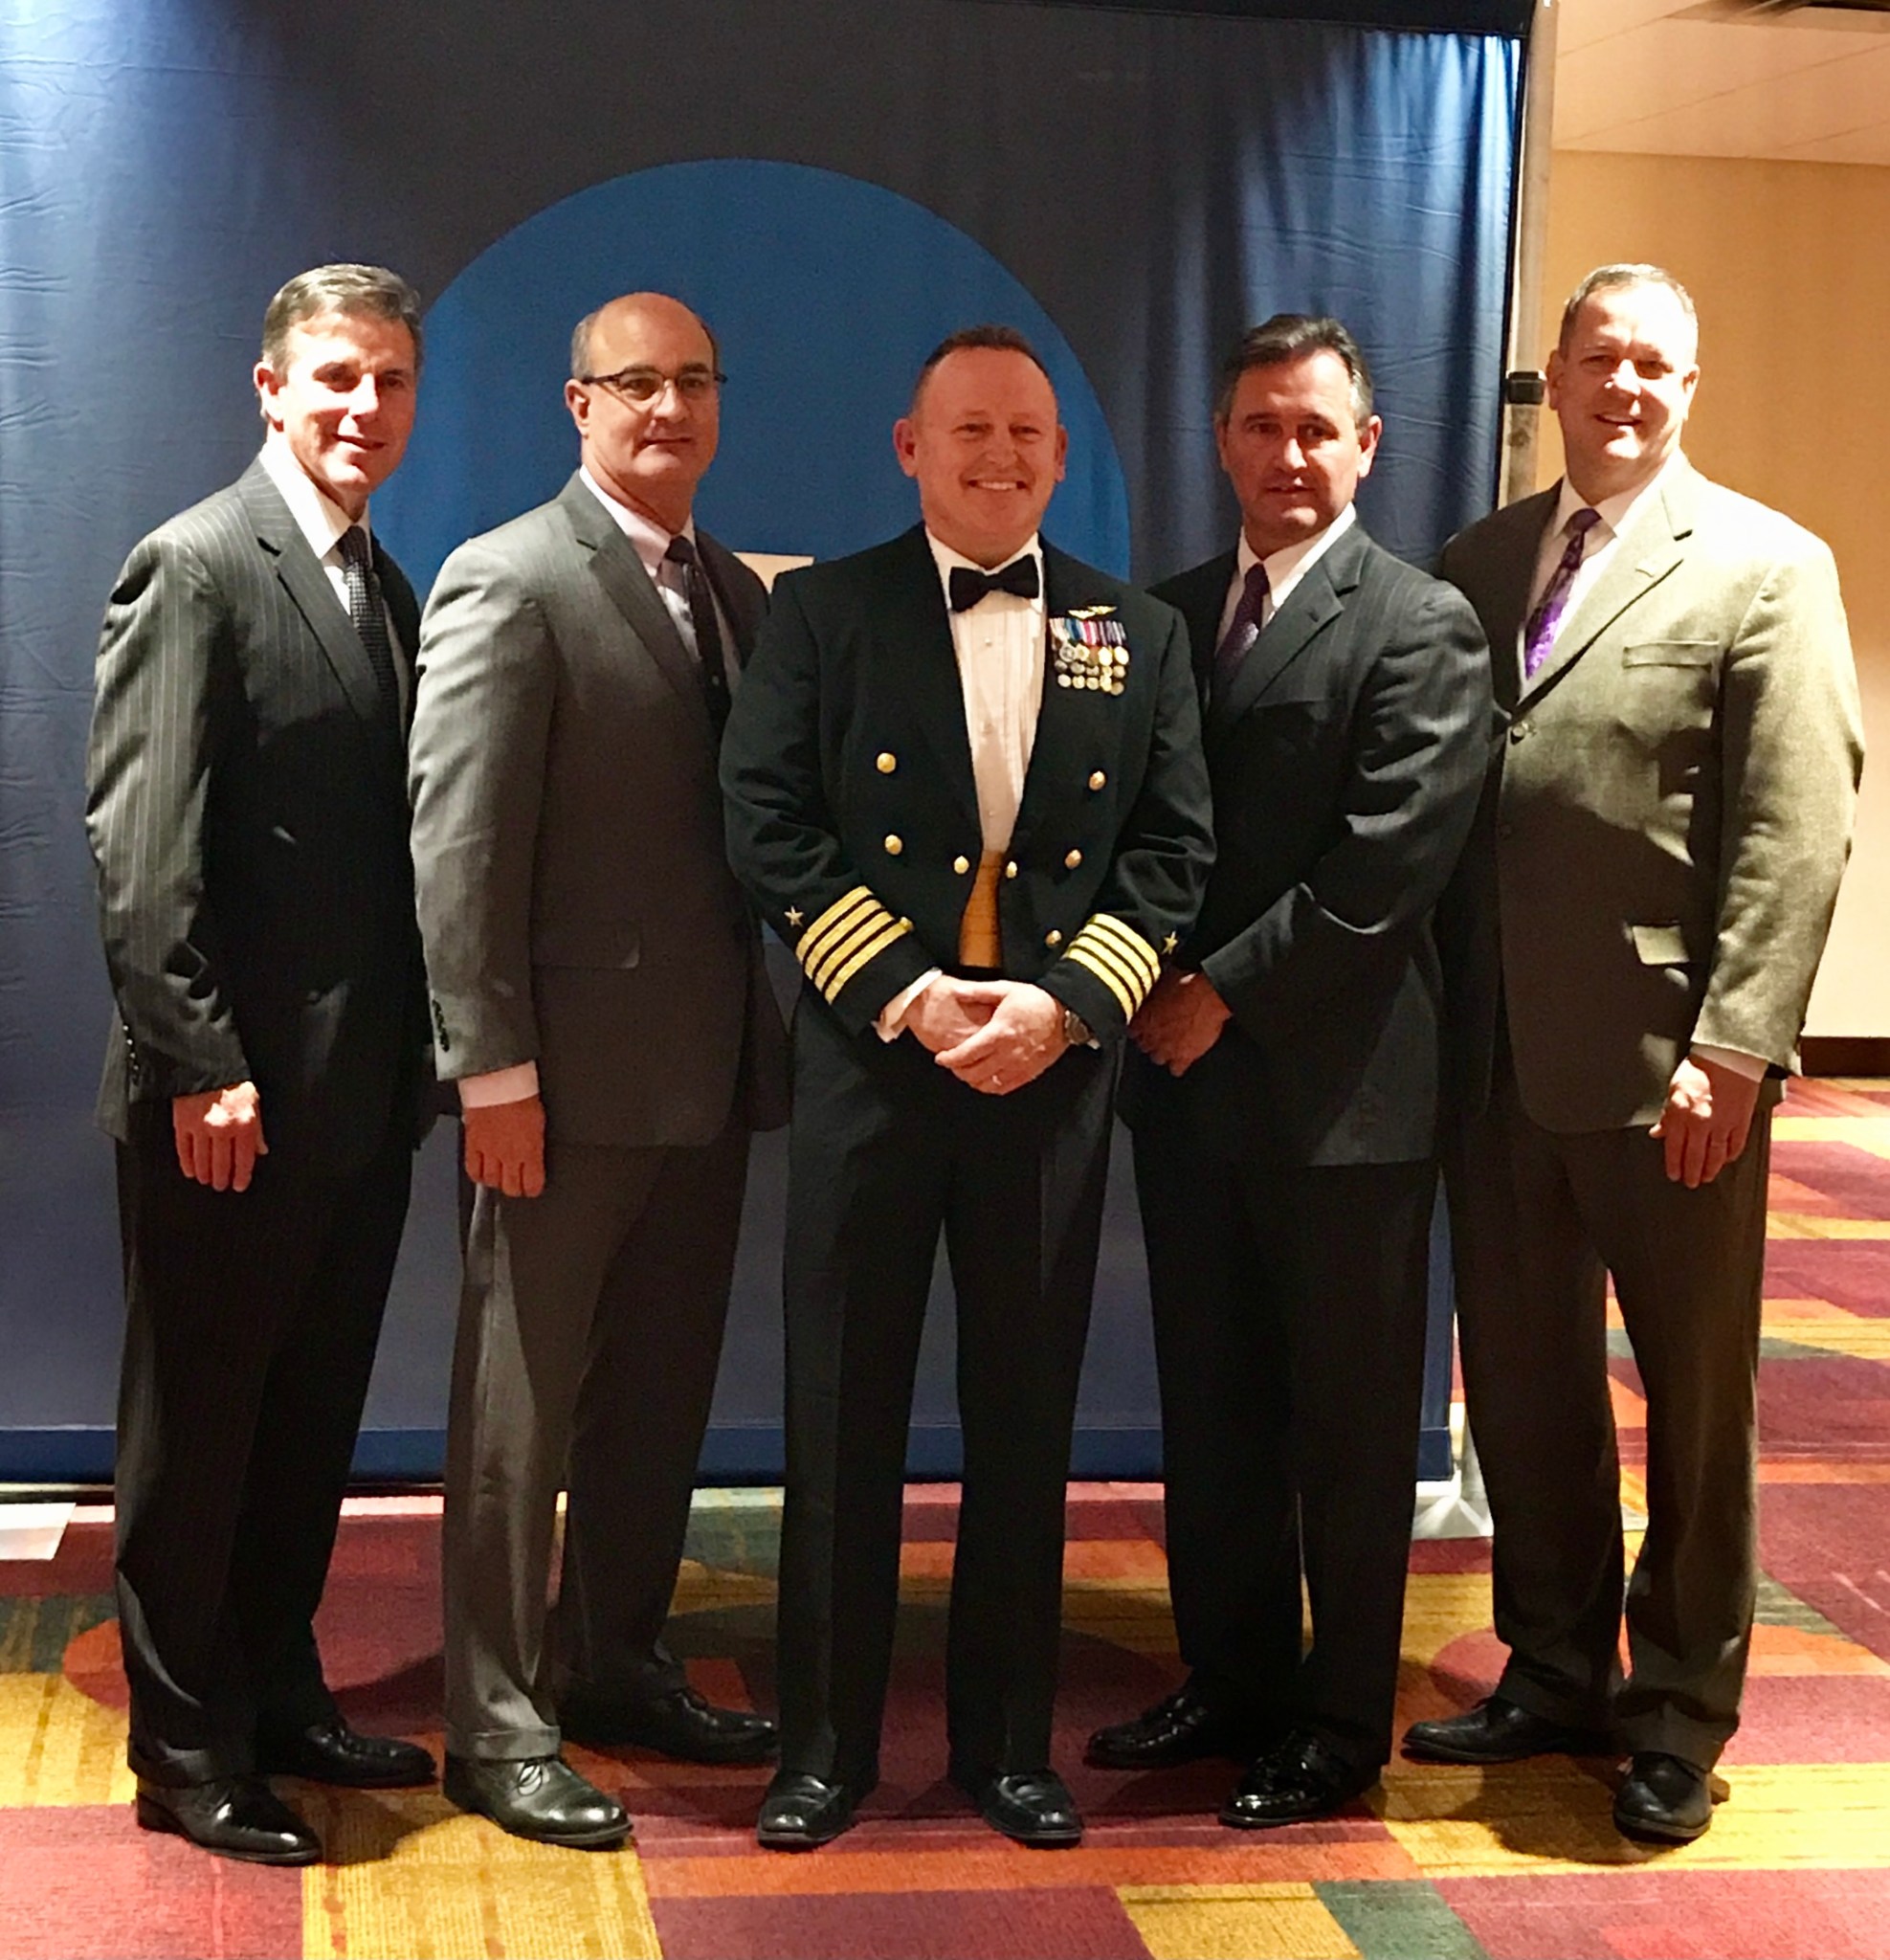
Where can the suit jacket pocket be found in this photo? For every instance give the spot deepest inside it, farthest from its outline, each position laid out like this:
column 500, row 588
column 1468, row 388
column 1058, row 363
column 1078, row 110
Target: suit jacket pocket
column 608, row 943
column 1672, row 653
column 1659, row 946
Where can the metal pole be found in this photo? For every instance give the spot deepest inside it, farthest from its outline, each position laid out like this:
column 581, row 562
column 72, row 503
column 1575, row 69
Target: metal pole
column 1521, row 400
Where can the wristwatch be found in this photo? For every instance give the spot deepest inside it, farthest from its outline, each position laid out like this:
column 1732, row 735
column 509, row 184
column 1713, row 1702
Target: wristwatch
column 1076, row 1031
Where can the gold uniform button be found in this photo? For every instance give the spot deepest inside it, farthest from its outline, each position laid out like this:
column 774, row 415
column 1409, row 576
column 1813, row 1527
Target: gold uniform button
column 1053, row 937
column 894, row 846
column 961, row 865
column 1075, row 858
column 1097, row 781
column 1011, row 869
column 888, row 762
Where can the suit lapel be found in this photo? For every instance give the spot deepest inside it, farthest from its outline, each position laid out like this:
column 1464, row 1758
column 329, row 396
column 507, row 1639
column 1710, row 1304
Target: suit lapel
column 307, row 585
column 1653, row 544
column 630, row 589
column 1200, row 598
column 1312, row 605
column 911, row 618
column 1504, row 589
column 734, row 594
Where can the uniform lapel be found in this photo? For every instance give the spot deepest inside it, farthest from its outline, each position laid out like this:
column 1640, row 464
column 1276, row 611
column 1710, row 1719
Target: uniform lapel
column 1312, row 605
column 910, row 617
column 1065, row 715
column 1653, row 545
column 630, row 589
column 307, row 585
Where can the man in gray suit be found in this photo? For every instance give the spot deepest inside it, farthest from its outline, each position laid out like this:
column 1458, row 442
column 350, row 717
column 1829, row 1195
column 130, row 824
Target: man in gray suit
column 1629, row 945
column 599, row 997
column 248, row 815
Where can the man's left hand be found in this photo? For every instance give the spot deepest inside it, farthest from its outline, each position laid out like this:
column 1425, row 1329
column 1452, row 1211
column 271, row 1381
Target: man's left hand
column 1023, row 1037
column 1707, row 1121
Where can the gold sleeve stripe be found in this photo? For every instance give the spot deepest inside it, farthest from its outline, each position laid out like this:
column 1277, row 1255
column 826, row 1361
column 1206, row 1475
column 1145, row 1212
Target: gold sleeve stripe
column 1129, row 998
column 837, row 952
column 893, row 929
column 1098, row 953
column 838, row 916
column 1129, row 943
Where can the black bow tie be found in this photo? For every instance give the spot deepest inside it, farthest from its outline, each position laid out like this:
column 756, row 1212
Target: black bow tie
column 969, row 586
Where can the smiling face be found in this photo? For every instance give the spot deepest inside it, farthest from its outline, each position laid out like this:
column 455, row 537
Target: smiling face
column 1293, row 450
column 1621, row 383
column 649, row 455
column 986, row 449
column 342, row 397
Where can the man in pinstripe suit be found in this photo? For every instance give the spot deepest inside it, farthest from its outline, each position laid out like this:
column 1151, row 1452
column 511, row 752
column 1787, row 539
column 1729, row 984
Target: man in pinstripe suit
column 266, row 1078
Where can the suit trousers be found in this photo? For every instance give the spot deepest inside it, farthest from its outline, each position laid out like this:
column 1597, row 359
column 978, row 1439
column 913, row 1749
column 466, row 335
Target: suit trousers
column 590, row 1326
column 1539, row 1222
column 1289, row 1312
column 249, row 1331
column 888, row 1150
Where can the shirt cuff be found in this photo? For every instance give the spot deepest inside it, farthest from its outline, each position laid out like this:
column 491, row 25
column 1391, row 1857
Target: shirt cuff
column 512, row 1084
column 1750, row 1066
column 890, row 1022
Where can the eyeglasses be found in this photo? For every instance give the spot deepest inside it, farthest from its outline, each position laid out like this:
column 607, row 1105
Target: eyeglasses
column 643, row 385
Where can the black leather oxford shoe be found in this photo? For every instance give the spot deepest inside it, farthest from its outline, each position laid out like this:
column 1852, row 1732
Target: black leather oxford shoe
column 330, row 1751
column 1179, row 1728
column 237, row 1816
column 1497, row 1731
column 1295, row 1781
column 1032, row 1807
column 1663, row 1800
column 680, row 1724
column 540, row 1798
column 800, row 1810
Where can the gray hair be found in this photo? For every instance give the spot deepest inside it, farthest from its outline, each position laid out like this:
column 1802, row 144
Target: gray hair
column 359, row 289
column 1609, row 278
column 1292, row 337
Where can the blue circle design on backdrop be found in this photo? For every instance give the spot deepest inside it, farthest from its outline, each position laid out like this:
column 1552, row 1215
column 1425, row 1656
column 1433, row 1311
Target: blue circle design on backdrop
column 825, row 292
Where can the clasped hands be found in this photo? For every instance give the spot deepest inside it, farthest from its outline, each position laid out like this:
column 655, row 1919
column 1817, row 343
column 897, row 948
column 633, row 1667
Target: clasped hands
column 994, row 1035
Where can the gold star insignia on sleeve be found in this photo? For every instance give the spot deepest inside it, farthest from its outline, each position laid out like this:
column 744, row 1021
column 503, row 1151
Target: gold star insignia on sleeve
column 794, row 915
column 1169, row 943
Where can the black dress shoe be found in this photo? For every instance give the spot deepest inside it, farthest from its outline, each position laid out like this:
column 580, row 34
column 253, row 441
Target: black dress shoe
column 1031, row 1806
column 1663, row 1800
column 801, row 1810
column 1294, row 1782
column 540, row 1798
column 330, row 1751
column 680, row 1724
column 236, row 1816
column 1179, row 1728
column 1497, row 1731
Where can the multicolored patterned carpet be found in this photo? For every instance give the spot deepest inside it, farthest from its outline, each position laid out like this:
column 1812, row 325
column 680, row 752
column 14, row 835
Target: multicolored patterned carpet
column 1442, row 1863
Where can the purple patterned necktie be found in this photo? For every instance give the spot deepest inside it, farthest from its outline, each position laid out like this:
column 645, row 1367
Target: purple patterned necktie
column 1242, row 631
column 1539, row 635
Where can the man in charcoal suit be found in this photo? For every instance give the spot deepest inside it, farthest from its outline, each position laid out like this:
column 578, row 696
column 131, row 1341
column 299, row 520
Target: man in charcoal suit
column 266, row 1079
column 1284, row 1098
column 599, row 997
column 1629, row 947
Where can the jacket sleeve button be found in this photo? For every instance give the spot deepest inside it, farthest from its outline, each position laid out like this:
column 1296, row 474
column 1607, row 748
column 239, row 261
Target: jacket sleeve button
column 1053, row 937
column 894, row 846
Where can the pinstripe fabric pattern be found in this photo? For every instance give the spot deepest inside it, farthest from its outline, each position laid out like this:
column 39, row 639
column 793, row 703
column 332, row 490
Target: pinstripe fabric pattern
column 247, row 817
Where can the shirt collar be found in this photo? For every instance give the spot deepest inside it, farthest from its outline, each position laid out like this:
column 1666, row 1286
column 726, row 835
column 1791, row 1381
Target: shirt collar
column 650, row 538
column 947, row 559
column 317, row 517
column 1616, row 512
column 1288, row 565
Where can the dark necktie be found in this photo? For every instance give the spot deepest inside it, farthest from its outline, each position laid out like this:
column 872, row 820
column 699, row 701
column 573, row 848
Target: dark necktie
column 1242, row 631
column 1539, row 635
column 370, row 615
column 969, row 584
column 709, row 666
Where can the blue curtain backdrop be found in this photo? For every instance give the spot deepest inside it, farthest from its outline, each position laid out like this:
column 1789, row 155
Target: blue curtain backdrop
column 834, row 182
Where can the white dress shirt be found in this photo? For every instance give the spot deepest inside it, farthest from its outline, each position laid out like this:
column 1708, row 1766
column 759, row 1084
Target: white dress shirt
column 1000, row 648
column 1617, row 515
column 1285, row 569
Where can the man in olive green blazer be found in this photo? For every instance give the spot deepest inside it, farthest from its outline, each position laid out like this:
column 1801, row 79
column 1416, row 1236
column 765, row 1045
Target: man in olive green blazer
column 1629, row 946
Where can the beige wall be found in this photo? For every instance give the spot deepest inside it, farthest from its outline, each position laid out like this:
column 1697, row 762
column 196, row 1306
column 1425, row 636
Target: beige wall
column 1790, row 264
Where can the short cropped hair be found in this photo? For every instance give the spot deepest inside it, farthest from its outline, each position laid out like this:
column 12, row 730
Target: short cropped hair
column 361, row 289
column 1005, row 340
column 581, row 338
column 1609, row 278
column 1292, row 337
